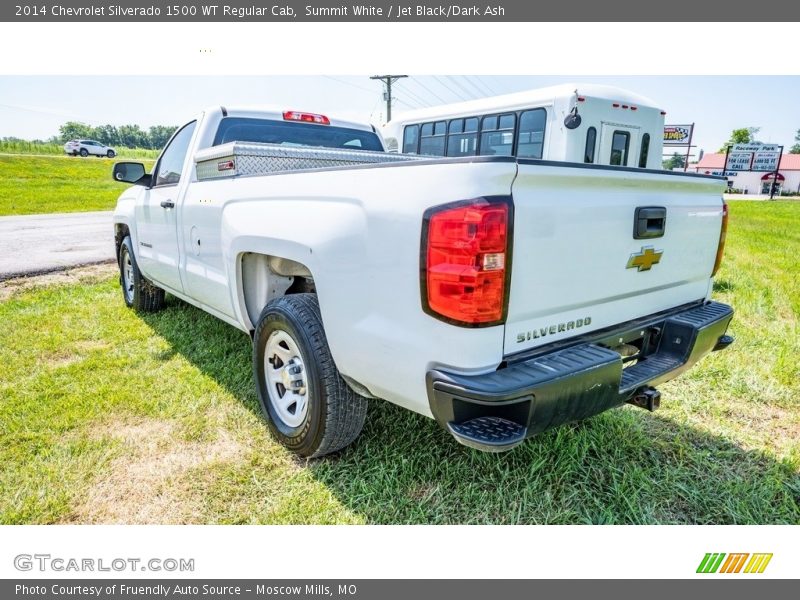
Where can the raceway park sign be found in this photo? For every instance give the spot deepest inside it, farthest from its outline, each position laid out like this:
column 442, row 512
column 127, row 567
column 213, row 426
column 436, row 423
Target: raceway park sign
column 677, row 135
column 753, row 157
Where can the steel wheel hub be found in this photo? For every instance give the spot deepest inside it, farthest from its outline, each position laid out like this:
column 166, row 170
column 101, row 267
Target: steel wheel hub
column 285, row 372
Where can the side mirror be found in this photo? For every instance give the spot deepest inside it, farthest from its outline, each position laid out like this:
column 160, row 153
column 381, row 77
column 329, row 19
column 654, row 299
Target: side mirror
column 131, row 172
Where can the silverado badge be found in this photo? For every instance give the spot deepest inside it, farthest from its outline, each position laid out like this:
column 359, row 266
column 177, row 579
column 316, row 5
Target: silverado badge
column 644, row 260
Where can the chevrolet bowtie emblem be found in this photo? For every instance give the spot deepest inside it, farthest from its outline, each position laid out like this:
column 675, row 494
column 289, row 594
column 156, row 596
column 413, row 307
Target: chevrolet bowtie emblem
column 644, row 260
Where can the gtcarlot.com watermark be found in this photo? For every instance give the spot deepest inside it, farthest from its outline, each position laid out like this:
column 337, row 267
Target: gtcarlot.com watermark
column 58, row 564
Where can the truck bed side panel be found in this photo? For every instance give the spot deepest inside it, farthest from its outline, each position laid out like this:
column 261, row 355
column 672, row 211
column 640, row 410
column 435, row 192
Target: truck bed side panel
column 359, row 232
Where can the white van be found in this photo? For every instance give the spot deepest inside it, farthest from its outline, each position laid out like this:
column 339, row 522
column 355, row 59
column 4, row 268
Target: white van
column 568, row 123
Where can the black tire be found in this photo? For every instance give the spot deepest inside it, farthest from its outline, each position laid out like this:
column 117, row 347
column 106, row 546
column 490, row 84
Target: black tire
column 84, row 152
column 335, row 413
column 111, row 154
column 140, row 295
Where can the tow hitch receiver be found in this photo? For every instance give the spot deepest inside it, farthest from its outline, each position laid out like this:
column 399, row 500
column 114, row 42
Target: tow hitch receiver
column 649, row 398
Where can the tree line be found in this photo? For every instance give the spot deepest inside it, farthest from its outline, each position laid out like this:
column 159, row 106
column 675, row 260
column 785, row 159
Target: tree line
column 128, row 136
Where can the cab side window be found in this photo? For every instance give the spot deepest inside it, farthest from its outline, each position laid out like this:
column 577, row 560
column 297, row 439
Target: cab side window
column 171, row 162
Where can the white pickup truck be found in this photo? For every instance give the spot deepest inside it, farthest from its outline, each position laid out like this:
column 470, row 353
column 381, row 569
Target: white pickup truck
column 500, row 295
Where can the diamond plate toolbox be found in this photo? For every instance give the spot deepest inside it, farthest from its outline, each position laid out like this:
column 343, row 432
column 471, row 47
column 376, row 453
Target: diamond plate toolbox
column 239, row 158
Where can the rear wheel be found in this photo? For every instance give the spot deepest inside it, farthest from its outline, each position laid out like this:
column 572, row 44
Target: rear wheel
column 84, row 152
column 111, row 154
column 308, row 406
column 139, row 294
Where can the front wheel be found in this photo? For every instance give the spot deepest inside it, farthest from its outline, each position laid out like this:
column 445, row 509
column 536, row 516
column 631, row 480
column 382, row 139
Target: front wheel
column 139, row 294
column 308, row 406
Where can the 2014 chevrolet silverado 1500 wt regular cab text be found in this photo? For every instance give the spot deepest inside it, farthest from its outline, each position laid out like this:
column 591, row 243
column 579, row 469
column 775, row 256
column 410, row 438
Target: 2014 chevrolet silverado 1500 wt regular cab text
column 500, row 295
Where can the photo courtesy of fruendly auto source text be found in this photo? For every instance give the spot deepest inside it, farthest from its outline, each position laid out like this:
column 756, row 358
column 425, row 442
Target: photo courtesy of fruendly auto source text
column 399, row 299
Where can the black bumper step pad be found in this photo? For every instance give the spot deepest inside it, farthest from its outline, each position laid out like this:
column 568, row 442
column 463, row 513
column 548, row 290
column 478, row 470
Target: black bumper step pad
column 492, row 432
column 648, row 369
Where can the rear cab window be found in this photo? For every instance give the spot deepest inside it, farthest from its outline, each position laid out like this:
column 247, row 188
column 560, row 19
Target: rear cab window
column 292, row 133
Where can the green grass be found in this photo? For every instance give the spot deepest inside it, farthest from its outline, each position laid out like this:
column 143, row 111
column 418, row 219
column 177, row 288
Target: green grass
column 107, row 416
column 49, row 184
column 23, row 147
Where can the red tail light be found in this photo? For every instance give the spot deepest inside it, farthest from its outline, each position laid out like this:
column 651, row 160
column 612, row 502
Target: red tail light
column 293, row 115
column 723, row 232
column 465, row 253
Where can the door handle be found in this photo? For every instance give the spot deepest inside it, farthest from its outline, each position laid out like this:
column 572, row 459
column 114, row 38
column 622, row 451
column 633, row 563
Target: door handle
column 167, row 204
column 649, row 222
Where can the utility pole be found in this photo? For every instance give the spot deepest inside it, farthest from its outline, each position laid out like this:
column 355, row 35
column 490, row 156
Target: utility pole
column 388, row 80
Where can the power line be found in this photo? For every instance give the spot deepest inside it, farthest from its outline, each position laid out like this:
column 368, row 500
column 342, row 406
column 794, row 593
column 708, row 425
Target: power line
column 469, row 94
column 488, row 87
column 399, row 101
column 475, row 87
column 342, row 81
column 448, row 88
column 52, row 113
column 430, row 91
column 413, row 95
column 374, row 106
column 485, row 89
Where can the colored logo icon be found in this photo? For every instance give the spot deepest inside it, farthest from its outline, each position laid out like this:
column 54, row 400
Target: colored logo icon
column 719, row 562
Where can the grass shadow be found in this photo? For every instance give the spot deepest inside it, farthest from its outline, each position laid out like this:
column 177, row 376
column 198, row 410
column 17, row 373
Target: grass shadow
column 624, row 466
column 724, row 285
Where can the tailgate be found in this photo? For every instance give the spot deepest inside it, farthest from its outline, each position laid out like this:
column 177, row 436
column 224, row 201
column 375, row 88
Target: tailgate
column 574, row 241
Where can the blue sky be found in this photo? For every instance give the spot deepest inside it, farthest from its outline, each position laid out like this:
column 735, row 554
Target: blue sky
column 34, row 106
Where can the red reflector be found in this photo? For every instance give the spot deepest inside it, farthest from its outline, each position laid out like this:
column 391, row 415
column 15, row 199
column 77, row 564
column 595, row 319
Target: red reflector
column 723, row 233
column 581, row 99
column 292, row 115
column 663, row 112
column 225, row 165
column 615, row 105
column 465, row 269
column 633, row 108
column 624, row 106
